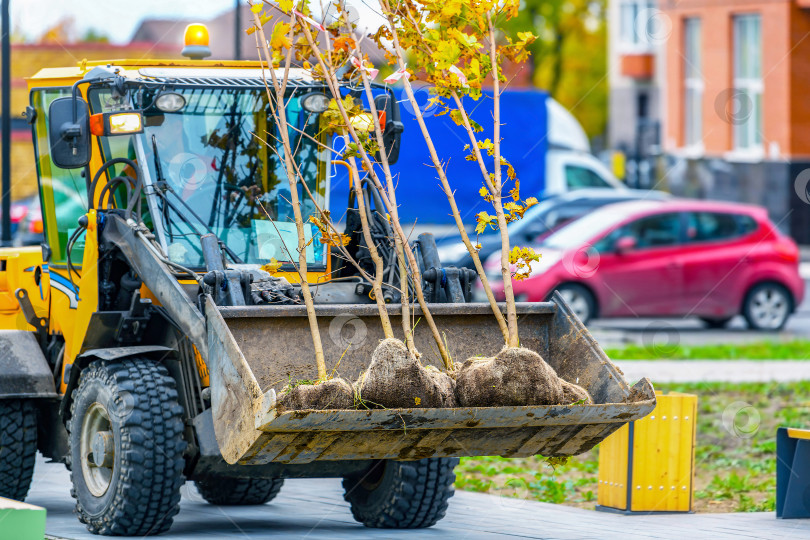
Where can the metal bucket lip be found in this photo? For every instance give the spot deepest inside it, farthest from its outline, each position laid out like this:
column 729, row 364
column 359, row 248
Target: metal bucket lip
column 458, row 418
column 370, row 310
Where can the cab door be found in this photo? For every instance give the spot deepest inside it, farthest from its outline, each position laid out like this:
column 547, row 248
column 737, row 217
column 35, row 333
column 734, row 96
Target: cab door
column 63, row 197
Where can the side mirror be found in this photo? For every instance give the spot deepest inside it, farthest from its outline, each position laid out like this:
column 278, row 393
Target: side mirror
column 69, row 133
column 625, row 244
column 393, row 128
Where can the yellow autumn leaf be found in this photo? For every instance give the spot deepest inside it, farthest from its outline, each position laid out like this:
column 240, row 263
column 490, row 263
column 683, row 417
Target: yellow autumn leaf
column 272, row 267
column 451, row 8
column 279, row 39
column 528, row 37
column 417, row 401
column 475, row 68
column 262, row 21
column 256, row 8
column 285, row 5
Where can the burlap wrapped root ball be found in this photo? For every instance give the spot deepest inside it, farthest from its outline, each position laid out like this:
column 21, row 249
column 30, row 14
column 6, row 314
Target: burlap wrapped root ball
column 514, row 377
column 396, row 380
column 573, row 393
column 322, row 395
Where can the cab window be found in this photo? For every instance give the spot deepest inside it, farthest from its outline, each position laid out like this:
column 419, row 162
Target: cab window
column 582, row 177
column 63, row 192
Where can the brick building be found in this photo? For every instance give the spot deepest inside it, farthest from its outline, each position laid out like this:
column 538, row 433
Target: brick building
column 736, row 120
column 636, row 72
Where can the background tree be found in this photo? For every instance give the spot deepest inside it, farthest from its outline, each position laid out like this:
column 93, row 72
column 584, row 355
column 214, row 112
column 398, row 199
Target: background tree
column 569, row 56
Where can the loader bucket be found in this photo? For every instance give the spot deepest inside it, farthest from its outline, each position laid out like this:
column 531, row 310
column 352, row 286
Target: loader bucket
column 254, row 351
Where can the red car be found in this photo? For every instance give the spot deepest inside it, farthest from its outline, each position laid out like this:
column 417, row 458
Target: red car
column 668, row 258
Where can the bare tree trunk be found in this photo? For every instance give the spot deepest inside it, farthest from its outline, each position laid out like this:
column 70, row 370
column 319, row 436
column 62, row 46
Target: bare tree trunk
column 406, row 308
column 372, row 249
column 506, row 273
column 332, row 82
column 280, row 113
column 445, row 183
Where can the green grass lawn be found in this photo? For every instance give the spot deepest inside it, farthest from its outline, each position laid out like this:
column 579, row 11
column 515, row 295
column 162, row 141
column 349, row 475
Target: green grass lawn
column 732, row 473
column 798, row 349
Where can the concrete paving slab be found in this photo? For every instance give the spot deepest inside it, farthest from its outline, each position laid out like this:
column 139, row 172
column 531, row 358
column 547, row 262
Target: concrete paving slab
column 314, row 509
column 736, row 371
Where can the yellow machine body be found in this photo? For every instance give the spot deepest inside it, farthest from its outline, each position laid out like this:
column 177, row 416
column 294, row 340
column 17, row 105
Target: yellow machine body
column 68, row 315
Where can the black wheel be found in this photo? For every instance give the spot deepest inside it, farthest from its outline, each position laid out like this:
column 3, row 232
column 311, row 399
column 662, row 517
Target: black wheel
column 18, row 447
column 579, row 299
column 233, row 491
column 715, row 323
column 126, row 448
column 401, row 494
column 767, row 306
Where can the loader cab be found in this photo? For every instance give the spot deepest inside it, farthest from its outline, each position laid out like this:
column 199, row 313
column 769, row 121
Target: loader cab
column 210, row 160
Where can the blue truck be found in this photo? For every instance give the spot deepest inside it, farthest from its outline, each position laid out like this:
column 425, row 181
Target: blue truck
column 544, row 142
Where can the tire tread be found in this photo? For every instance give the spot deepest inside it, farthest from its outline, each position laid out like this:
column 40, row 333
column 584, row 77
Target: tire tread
column 147, row 493
column 233, row 491
column 417, row 497
column 18, row 447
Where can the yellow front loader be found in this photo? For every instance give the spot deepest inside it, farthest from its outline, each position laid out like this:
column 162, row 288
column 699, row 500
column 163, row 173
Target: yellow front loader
column 146, row 342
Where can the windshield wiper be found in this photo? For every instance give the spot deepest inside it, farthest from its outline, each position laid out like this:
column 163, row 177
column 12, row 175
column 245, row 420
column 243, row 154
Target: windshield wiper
column 162, row 181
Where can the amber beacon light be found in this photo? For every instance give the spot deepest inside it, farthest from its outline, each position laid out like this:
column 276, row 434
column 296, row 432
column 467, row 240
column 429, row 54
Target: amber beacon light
column 195, row 42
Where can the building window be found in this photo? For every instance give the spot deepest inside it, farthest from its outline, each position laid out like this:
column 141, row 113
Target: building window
column 637, row 25
column 693, row 83
column 745, row 110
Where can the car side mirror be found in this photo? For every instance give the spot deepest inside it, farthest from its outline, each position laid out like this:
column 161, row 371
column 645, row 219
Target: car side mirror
column 388, row 109
column 69, row 132
column 625, row 244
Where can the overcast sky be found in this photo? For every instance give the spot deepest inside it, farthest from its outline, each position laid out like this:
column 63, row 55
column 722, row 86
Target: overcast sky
column 117, row 19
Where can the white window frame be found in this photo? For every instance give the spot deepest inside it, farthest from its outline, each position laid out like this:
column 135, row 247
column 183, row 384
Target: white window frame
column 630, row 40
column 693, row 84
column 747, row 66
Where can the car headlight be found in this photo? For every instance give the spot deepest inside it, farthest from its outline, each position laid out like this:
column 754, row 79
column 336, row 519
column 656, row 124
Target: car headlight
column 451, row 253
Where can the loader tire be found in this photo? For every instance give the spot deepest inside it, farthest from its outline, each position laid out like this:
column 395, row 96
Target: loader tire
column 126, row 448
column 401, row 494
column 18, row 447
column 233, row 491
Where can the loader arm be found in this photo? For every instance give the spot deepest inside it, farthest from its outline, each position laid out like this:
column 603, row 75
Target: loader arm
column 144, row 260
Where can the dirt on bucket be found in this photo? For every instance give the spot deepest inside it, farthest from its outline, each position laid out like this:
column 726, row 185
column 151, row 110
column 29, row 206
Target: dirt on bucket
column 515, row 376
column 573, row 393
column 322, row 395
column 396, row 380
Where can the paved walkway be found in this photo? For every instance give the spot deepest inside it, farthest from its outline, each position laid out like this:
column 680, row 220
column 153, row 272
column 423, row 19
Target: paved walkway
column 664, row 371
column 315, row 509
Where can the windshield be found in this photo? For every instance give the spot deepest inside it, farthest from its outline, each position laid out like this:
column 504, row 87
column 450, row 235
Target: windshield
column 222, row 177
column 586, row 228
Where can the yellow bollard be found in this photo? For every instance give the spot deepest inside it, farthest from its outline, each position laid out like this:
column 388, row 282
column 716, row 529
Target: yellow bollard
column 648, row 465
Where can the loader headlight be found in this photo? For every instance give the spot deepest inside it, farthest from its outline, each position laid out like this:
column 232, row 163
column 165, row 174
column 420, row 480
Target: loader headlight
column 170, row 102
column 363, row 122
column 315, row 102
column 121, row 123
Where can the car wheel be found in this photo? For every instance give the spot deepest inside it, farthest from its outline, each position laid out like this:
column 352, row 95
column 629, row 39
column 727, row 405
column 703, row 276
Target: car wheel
column 579, row 299
column 715, row 323
column 767, row 306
